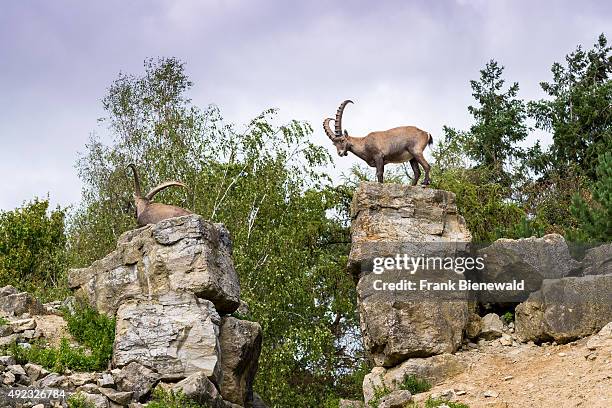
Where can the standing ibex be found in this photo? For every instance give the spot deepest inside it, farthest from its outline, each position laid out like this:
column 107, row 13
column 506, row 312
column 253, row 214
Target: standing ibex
column 397, row 145
column 151, row 213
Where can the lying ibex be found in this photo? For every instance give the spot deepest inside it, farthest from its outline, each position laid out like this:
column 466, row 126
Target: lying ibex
column 397, row 145
column 151, row 213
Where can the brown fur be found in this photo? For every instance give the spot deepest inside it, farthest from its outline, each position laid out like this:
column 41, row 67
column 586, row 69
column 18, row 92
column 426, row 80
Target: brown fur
column 148, row 212
column 397, row 145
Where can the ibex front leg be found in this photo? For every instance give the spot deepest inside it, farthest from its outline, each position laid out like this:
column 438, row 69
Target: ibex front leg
column 380, row 168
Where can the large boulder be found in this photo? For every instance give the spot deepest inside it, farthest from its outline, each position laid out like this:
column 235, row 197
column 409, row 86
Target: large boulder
column 598, row 260
column 433, row 369
column 240, row 342
column 566, row 309
column 527, row 259
column 173, row 334
column 15, row 303
column 178, row 254
column 390, row 220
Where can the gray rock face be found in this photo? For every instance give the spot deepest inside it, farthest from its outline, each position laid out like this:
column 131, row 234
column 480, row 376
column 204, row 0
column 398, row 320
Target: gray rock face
column 566, row 309
column 199, row 388
column 391, row 219
column 178, row 254
column 598, row 261
column 136, row 378
column 528, row 259
column 174, row 334
column 15, row 303
column 240, row 342
column 396, row 399
column 434, row 369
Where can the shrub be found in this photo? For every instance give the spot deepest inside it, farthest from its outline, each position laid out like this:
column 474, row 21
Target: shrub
column 508, row 317
column 3, row 321
column 415, row 384
column 78, row 400
column 170, row 399
column 434, row 403
column 33, row 249
column 93, row 330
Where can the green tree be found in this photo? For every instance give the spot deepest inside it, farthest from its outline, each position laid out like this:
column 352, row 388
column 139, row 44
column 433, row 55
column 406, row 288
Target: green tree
column 595, row 212
column 33, row 249
column 265, row 183
column 578, row 112
column 499, row 125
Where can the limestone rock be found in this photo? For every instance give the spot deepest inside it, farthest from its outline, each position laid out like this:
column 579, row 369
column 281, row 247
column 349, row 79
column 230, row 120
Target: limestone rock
column 598, row 260
column 119, row 397
column 491, row 327
column 178, row 254
column 601, row 339
column 240, row 342
column 15, row 303
column 392, row 219
column 136, row 378
column 474, row 325
column 174, row 334
column 566, row 309
column 434, row 369
column 97, row 400
column 396, row 399
column 529, row 259
column 199, row 388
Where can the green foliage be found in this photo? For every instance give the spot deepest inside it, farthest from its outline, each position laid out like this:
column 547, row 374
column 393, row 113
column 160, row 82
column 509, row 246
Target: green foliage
column 487, row 213
column 379, row 393
column 508, row 317
column 56, row 359
column 171, row 399
column 3, row 321
column 595, row 215
column 499, row 124
column 577, row 111
column 266, row 184
column 93, row 330
column 78, row 400
column 415, row 384
column 33, row 249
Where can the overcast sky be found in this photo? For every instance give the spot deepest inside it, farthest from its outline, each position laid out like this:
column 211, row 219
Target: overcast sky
column 402, row 62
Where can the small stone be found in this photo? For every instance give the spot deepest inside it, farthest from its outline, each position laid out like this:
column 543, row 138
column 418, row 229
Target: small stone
column 23, row 324
column 52, row 380
column 39, row 406
column 460, row 392
column 7, row 360
column 89, row 389
column 490, row 394
column 120, row 397
column 472, row 345
column 508, row 377
column 591, row 356
column 98, row 401
column 9, row 378
column 35, row 371
column 562, row 354
column 16, row 369
column 106, row 380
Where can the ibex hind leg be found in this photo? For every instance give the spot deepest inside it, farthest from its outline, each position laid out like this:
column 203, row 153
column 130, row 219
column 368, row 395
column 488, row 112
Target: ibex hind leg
column 416, row 171
column 421, row 159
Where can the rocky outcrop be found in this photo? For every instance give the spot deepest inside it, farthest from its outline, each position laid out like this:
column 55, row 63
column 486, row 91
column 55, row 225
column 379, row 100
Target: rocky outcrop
column 566, row 309
column 184, row 254
column 392, row 219
column 598, row 261
column 240, row 342
column 530, row 260
column 176, row 335
column 170, row 287
column 16, row 303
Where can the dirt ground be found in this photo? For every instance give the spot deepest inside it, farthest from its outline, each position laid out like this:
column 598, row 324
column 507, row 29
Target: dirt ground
column 554, row 376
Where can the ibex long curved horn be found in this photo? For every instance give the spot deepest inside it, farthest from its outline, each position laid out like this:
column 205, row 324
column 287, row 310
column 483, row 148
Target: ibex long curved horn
column 163, row 186
column 136, row 179
column 338, row 121
column 327, row 128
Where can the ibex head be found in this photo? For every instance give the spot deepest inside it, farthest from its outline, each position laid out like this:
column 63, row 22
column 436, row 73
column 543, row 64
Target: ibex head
column 339, row 138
